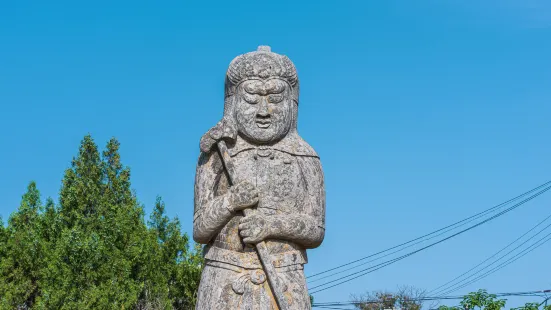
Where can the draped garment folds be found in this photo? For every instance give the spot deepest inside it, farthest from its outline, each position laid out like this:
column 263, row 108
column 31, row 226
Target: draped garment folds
column 289, row 180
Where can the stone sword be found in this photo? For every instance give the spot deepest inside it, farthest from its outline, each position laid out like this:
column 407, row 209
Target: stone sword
column 261, row 248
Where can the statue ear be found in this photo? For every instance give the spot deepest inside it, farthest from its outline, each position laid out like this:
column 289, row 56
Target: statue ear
column 229, row 128
column 228, row 105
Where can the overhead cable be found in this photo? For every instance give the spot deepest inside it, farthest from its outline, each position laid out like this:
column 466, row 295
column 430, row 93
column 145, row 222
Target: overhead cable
column 360, row 273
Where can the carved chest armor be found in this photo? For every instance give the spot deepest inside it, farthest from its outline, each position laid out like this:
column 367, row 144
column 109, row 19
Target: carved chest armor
column 279, row 180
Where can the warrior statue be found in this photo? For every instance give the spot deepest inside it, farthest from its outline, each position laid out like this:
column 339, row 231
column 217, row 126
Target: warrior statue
column 272, row 199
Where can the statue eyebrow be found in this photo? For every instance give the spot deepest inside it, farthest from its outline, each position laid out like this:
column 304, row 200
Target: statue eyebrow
column 254, row 87
column 274, row 87
column 264, row 88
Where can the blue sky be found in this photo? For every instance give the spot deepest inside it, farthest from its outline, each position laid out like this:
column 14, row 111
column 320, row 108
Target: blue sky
column 423, row 112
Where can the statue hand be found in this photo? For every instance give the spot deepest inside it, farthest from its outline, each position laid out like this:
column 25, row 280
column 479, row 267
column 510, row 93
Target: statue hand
column 224, row 129
column 254, row 228
column 242, row 196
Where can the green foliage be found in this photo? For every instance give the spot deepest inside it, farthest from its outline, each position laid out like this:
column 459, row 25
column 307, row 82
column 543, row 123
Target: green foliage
column 3, row 237
column 528, row 306
column 410, row 298
column 406, row 297
column 449, row 308
column 482, row 300
column 173, row 262
column 532, row 306
column 23, row 255
column 485, row 301
column 94, row 250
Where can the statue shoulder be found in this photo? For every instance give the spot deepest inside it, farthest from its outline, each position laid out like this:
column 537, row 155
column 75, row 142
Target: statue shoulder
column 312, row 173
column 297, row 146
column 209, row 162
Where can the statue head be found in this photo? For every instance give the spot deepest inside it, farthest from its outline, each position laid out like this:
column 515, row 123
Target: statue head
column 261, row 95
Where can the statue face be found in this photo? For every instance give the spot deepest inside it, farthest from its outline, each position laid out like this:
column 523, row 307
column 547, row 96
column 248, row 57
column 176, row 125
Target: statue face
column 263, row 110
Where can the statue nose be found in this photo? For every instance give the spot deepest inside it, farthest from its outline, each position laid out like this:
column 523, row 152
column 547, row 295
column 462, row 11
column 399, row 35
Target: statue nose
column 263, row 110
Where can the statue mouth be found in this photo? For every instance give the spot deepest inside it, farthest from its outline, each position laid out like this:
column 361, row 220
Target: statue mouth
column 263, row 123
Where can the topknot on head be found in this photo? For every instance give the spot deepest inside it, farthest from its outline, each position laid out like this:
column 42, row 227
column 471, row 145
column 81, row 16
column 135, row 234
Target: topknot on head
column 264, row 48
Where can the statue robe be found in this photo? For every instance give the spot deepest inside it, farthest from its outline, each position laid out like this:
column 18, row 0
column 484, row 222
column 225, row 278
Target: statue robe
column 289, row 179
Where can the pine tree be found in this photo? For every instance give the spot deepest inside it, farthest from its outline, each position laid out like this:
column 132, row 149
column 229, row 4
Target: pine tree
column 82, row 186
column 24, row 252
column 177, row 268
column 101, row 234
column 3, row 239
column 51, row 223
column 94, row 250
column 155, row 294
column 189, row 276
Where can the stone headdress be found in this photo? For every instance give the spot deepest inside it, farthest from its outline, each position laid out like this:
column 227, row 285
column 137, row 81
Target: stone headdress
column 260, row 64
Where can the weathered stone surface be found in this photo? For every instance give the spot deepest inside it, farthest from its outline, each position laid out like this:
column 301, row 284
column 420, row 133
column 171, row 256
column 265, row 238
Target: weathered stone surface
column 275, row 173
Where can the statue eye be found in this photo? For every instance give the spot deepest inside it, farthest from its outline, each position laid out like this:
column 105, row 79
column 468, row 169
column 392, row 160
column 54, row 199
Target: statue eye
column 251, row 98
column 275, row 98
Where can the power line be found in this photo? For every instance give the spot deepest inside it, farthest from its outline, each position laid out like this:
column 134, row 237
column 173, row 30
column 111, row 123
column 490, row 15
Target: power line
column 345, row 303
column 436, row 231
column 393, row 252
column 429, row 298
column 389, row 262
column 511, row 260
column 439, row 289
column 544, row 302
column 384, row 264
column 396, row 251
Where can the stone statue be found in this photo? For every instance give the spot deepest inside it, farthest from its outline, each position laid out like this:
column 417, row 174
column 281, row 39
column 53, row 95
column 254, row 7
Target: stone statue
column 258, row 218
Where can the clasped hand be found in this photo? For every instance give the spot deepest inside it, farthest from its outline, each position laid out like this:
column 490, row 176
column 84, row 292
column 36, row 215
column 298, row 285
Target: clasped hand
column 253, row 228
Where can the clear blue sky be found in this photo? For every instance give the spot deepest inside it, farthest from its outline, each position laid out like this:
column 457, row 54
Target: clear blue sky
column 423, row 112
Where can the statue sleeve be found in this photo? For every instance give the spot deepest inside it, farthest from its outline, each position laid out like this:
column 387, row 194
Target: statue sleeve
column 307, row 227
column 313, row 176
column 211, row 212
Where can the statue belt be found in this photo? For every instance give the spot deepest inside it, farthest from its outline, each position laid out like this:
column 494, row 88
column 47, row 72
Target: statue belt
column 246, row 278
column 249, row 260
